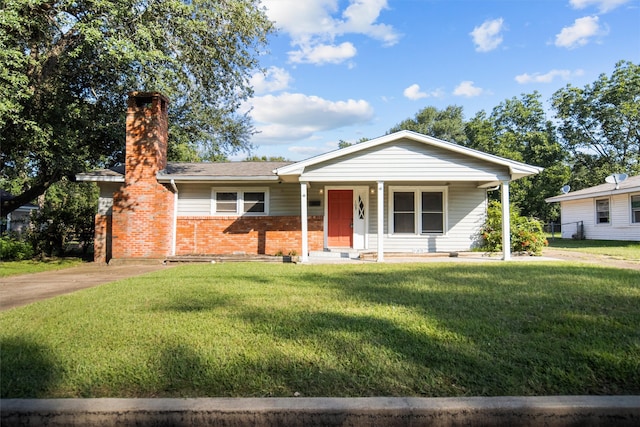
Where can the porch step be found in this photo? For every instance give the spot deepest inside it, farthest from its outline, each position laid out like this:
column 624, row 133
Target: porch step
column 335, row 253
column 228, row 258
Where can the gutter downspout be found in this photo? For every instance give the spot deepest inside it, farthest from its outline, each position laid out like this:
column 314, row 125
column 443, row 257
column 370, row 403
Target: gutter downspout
column 175, row 217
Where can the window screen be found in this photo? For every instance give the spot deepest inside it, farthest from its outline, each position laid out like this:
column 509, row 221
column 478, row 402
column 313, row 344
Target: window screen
column 403, row 212
column 226, row 202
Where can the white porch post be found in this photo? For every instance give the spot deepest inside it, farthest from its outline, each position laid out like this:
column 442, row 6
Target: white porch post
column 506, row 222
column 380, row 221
column 303, row 220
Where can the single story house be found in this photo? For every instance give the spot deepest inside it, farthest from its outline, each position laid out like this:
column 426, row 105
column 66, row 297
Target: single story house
column 608, row 211
column 17, row 221
column 403, row 192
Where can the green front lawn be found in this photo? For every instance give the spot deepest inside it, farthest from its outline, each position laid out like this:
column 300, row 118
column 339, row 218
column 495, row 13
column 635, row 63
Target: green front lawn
column 13, row 268
column 437, row 329
column 614, row 248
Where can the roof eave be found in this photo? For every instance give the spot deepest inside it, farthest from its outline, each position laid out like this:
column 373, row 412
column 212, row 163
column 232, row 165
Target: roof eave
column 164, row 178
column 98, row 178
column 602, row 193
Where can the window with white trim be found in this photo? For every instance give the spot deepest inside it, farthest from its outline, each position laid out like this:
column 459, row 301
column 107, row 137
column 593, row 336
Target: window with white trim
column 417, row 210
column 230, row 201
column 635, row 209
column 602, row 211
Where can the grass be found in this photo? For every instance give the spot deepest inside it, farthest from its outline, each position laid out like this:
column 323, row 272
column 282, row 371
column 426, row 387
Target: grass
column 12, row 268
column 333, row 330
column 613, row 248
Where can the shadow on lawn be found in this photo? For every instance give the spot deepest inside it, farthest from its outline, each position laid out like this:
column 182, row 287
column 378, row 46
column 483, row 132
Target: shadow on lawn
column 533, row 331
column 28, row 369
column 400, row 331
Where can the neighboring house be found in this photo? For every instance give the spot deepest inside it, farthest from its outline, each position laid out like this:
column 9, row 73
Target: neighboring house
column 17, row 221
column 603, row 212
column 403, row 192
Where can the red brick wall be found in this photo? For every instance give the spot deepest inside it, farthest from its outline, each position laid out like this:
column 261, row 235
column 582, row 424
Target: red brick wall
column 250, row 234
column 102, row 239
column 142, row 221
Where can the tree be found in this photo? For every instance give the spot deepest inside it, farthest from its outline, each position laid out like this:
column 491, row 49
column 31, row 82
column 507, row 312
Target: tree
column 518, row 129
column 66, row 214
column 600, row 125
column 447, row 124
column 344, row 144
column 66, row 67
column 256, row 158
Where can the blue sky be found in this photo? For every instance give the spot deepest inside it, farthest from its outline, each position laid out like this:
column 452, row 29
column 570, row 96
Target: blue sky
column 348, row 69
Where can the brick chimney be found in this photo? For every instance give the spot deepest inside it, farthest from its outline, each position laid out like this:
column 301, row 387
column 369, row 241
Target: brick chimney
column 143, row 208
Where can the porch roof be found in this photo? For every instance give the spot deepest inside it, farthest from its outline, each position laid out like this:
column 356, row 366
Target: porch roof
column 515, row 169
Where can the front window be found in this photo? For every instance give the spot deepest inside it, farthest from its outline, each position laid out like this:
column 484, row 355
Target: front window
column 602, row 211
column 635, row 209
column 418, row 211
column 432, row 212
column 254, row 201
column 403, row 212
column 239, row 202
column 226, row 202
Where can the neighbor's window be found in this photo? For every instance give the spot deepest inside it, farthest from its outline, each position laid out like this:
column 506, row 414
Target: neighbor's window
column 236, row 202
column 602, row 211
column 635, row 209
column 418, row 211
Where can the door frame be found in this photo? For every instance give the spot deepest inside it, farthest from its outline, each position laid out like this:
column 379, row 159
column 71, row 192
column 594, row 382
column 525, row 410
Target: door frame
column 361, row 239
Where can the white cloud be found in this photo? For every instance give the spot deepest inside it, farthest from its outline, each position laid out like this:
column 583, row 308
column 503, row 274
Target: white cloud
column 361, row 16
column 466, row 88
column 414, row 93
column 295, row 116
column 604, row 6
column 273, row 80
column 323, row 54
column 579, row 33
column 488, row 36
column 547, row 77
column 313, row 25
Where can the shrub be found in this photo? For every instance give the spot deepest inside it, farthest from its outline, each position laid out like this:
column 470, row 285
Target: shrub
column 12, row 249
column 527, row 234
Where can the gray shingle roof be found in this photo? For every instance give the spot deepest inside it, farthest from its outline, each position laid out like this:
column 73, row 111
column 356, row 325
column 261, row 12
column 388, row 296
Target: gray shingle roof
column 196, row 172
column 629, row 185
column 222, row 169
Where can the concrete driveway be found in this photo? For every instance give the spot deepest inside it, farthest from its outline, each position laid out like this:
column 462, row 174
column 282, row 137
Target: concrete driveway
column 24, row 289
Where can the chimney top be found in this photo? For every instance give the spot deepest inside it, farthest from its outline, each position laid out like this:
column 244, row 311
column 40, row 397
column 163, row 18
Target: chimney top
column 139, row 94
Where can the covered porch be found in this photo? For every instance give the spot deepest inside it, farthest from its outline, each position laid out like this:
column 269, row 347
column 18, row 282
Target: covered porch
column 403, row 193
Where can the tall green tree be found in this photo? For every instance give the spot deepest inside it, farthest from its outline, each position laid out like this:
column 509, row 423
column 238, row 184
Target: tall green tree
column 519, row 129
column 447, row 124
column 600, row 125
column 66, row 67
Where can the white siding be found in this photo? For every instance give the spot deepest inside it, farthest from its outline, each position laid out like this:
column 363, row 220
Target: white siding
column 405, row 160
column 466, row 212
column 619, row 228
column 105, row 200
column 284, row 199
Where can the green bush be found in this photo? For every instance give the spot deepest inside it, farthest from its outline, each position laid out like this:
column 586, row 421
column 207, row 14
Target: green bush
column 12, row 249
column 527, row 234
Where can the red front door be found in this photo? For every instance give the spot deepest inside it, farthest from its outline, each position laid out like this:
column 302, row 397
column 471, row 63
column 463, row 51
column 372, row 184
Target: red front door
column 340, row 218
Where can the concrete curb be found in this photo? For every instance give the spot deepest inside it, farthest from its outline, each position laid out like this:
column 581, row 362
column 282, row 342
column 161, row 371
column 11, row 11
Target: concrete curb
column 476, row 411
